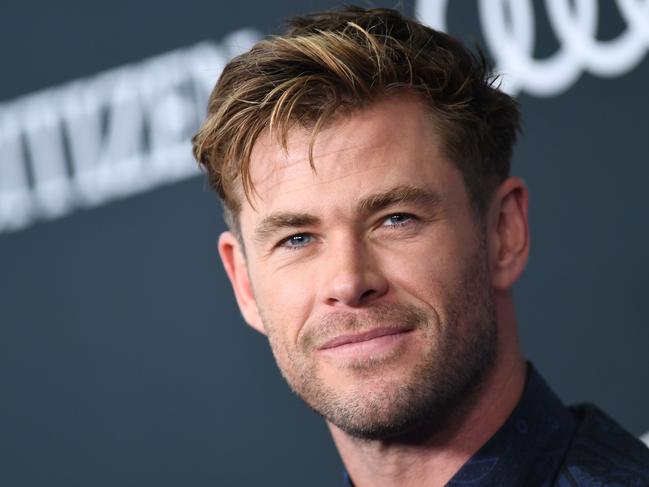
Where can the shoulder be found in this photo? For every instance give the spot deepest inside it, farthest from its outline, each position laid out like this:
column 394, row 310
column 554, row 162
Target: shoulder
column 603, row 453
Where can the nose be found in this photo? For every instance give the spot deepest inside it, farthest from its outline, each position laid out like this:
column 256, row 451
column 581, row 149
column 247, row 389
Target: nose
column 353, row 276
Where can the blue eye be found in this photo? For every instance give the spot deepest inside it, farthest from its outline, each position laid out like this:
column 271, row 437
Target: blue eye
column 397, row 219
column 298, row 240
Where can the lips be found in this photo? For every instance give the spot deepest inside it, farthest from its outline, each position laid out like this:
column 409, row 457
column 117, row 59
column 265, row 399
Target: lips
column 342, row 340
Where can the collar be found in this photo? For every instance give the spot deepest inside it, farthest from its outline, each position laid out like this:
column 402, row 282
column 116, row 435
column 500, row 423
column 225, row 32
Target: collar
column 527, row 449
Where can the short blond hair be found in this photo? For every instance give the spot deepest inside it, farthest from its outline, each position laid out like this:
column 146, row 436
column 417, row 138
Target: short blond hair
column 337, row 62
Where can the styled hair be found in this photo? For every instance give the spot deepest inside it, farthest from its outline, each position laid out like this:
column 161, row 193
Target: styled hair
column 333, row 63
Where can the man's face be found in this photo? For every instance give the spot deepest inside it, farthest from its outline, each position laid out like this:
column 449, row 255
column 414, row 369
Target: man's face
column 369, row 275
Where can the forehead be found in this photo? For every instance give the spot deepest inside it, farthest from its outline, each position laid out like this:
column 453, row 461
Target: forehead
column 393, row 141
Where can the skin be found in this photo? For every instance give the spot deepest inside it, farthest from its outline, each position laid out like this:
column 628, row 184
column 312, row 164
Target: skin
column 375, row 281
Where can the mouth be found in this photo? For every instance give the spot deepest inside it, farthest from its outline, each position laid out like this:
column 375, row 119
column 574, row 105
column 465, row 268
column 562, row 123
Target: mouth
column 359, row 339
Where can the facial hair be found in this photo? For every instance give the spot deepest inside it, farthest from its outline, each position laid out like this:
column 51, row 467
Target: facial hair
column 459, row 350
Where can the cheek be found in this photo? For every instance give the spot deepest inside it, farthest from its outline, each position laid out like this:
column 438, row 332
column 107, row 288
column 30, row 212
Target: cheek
column 429, row 270
column 284, row 301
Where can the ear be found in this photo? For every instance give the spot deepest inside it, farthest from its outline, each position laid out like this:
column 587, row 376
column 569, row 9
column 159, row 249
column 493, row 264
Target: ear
column 508, row 233
column 237, row 270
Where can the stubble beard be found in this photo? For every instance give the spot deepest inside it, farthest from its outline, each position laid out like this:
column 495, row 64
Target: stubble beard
column 461, row 351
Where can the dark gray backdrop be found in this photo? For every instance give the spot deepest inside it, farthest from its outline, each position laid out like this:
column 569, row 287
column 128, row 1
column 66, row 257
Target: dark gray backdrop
column 123, row 360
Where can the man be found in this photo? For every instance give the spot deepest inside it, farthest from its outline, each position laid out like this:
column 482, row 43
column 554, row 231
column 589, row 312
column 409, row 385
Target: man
column 375, row 235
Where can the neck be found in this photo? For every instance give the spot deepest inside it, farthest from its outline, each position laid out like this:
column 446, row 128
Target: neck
column 434, row 460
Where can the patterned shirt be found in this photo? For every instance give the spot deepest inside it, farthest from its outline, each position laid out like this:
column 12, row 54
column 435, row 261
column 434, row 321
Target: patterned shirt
column 543, row 443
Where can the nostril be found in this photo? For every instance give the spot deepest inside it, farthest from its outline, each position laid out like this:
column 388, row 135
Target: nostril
column 367, row 294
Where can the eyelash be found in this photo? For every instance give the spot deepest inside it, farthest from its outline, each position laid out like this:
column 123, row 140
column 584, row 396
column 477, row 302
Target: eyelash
column 409, row 220
column 284, row 243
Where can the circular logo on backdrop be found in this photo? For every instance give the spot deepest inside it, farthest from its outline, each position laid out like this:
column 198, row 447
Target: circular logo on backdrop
column 509, row 28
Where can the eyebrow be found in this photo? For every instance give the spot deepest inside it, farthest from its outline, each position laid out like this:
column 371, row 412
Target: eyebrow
column 399, row 195
column 373, row 203
column 278, row 221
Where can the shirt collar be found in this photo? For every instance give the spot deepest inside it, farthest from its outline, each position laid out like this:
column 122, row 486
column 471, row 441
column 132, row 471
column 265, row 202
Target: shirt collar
column 527, row 449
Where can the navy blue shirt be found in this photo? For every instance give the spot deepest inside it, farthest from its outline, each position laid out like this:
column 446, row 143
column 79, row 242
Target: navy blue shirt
column 543, row 443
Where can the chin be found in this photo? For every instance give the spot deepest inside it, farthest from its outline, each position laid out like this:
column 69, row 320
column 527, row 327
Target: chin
column 399, row 399
column 385, row 415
